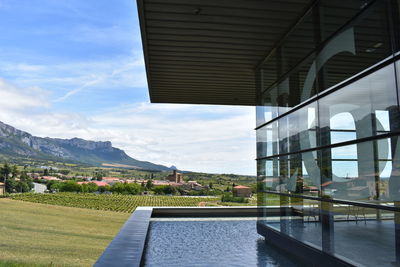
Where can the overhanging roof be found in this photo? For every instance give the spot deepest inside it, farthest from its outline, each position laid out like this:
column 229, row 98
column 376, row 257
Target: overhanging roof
column 206, row 51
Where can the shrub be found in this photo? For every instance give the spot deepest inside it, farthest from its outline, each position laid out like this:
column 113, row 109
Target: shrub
column 70, row 186
column 228, row 197
column 164, row 190
column 125, row 188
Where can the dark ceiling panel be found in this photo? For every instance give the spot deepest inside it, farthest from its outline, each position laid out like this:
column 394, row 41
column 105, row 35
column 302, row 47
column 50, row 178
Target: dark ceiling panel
column 206, row 51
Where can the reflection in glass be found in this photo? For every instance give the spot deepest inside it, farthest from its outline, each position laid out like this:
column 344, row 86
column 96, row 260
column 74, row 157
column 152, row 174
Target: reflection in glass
column 338, row 146
column 361, row 109
column 267, row 140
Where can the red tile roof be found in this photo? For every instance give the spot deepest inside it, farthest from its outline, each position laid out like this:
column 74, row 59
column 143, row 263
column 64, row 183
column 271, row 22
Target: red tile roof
column 111, row 178
column 99, row 183
column 241, row 187
column 50, row 178
column 326, row 183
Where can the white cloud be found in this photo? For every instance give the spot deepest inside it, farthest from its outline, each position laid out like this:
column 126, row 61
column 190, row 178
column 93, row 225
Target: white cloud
column 110, row 74
column 215, row 139
column 16, row 98
column 158, row 131
column 68, row 79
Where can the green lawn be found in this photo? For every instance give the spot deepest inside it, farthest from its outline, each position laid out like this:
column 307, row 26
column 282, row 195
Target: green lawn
column 33, row 234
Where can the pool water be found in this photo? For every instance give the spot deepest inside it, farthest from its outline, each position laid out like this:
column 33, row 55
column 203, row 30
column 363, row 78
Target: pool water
column 210, row 242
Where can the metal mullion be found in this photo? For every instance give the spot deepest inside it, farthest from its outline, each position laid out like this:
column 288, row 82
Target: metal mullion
column 355, row 141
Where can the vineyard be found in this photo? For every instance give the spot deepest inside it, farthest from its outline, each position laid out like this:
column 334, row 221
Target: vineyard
column 119, row 203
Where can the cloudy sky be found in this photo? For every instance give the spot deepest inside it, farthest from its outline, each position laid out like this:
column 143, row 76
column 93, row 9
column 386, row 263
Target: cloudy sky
column 75, row 68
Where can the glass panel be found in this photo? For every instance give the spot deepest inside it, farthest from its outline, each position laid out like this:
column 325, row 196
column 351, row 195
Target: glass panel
column 364, row 235
column 388, row 189
column 364, row 108
column 302, row 220
column 311, row 174
column 272, row 211
column 363, row 172
column 267, row 180
column 300, row 174
column 267, row 140
column 315, row 27
column 268, row 174
column 302, row 130
column 299, row 67
column 335, row 13
column 298, row 86
column 269, row 72
column 357, row 47
column 268, row 107
column 283, row 126
column 298, row 130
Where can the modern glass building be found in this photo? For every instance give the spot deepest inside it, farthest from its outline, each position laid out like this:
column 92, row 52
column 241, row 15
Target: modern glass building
column 328, row 150
column 324, row 75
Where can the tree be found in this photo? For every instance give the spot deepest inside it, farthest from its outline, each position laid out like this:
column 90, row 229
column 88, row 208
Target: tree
column 22, row 187
column 210, row 185
column 11, row 185
column 118, row 188
column 25, row 183
column 54, row 186
column 45, row 172
column 149, row 184
column 14, row 171
column 24, row 177
column 169, row 190
column 70, row 186
column 84, row 188
column 92, row 187
column 105, row 188
column 5, row 171
column 133, row 189
column 99, row 175
column 159, row 190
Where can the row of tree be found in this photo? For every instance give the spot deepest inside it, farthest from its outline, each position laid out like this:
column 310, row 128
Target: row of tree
column 124, row 188
column 73, row 186
column 15, row 180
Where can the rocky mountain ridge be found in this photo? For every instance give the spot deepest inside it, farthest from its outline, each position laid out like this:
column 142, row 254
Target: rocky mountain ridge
column 19, row 143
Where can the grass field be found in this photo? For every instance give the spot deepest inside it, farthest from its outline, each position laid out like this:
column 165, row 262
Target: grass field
column 120, row 203
column 69, row 229
column 39, row 235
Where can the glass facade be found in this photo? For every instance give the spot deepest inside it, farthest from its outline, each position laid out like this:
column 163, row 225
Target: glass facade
column 328, row 127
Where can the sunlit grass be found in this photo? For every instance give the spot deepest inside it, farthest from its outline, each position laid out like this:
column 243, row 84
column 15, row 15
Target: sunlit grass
column 34, row 234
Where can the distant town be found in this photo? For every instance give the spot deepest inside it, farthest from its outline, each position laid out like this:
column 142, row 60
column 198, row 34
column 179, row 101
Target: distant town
column 46, row 179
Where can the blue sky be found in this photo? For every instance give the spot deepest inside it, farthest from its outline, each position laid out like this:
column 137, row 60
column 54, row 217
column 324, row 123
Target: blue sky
column 75, row 68
column 66, row 45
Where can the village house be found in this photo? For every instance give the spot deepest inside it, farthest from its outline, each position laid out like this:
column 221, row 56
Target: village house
column 175, row 177
column 2, row 188
column 98, row 183
column 159, row 182
column 111, row 180
column 241, row 191
column 50, row 178
column 193, row 185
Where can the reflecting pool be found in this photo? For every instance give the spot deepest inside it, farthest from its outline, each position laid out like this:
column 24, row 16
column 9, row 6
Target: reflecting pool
column 210, row 242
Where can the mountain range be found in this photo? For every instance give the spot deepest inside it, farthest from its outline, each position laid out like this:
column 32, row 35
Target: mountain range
column 17, row 143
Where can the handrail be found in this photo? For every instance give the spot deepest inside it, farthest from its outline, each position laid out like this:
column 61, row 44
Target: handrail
column 339, row 201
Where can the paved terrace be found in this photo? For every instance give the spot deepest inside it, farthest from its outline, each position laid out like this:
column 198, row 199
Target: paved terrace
column 368, row 242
